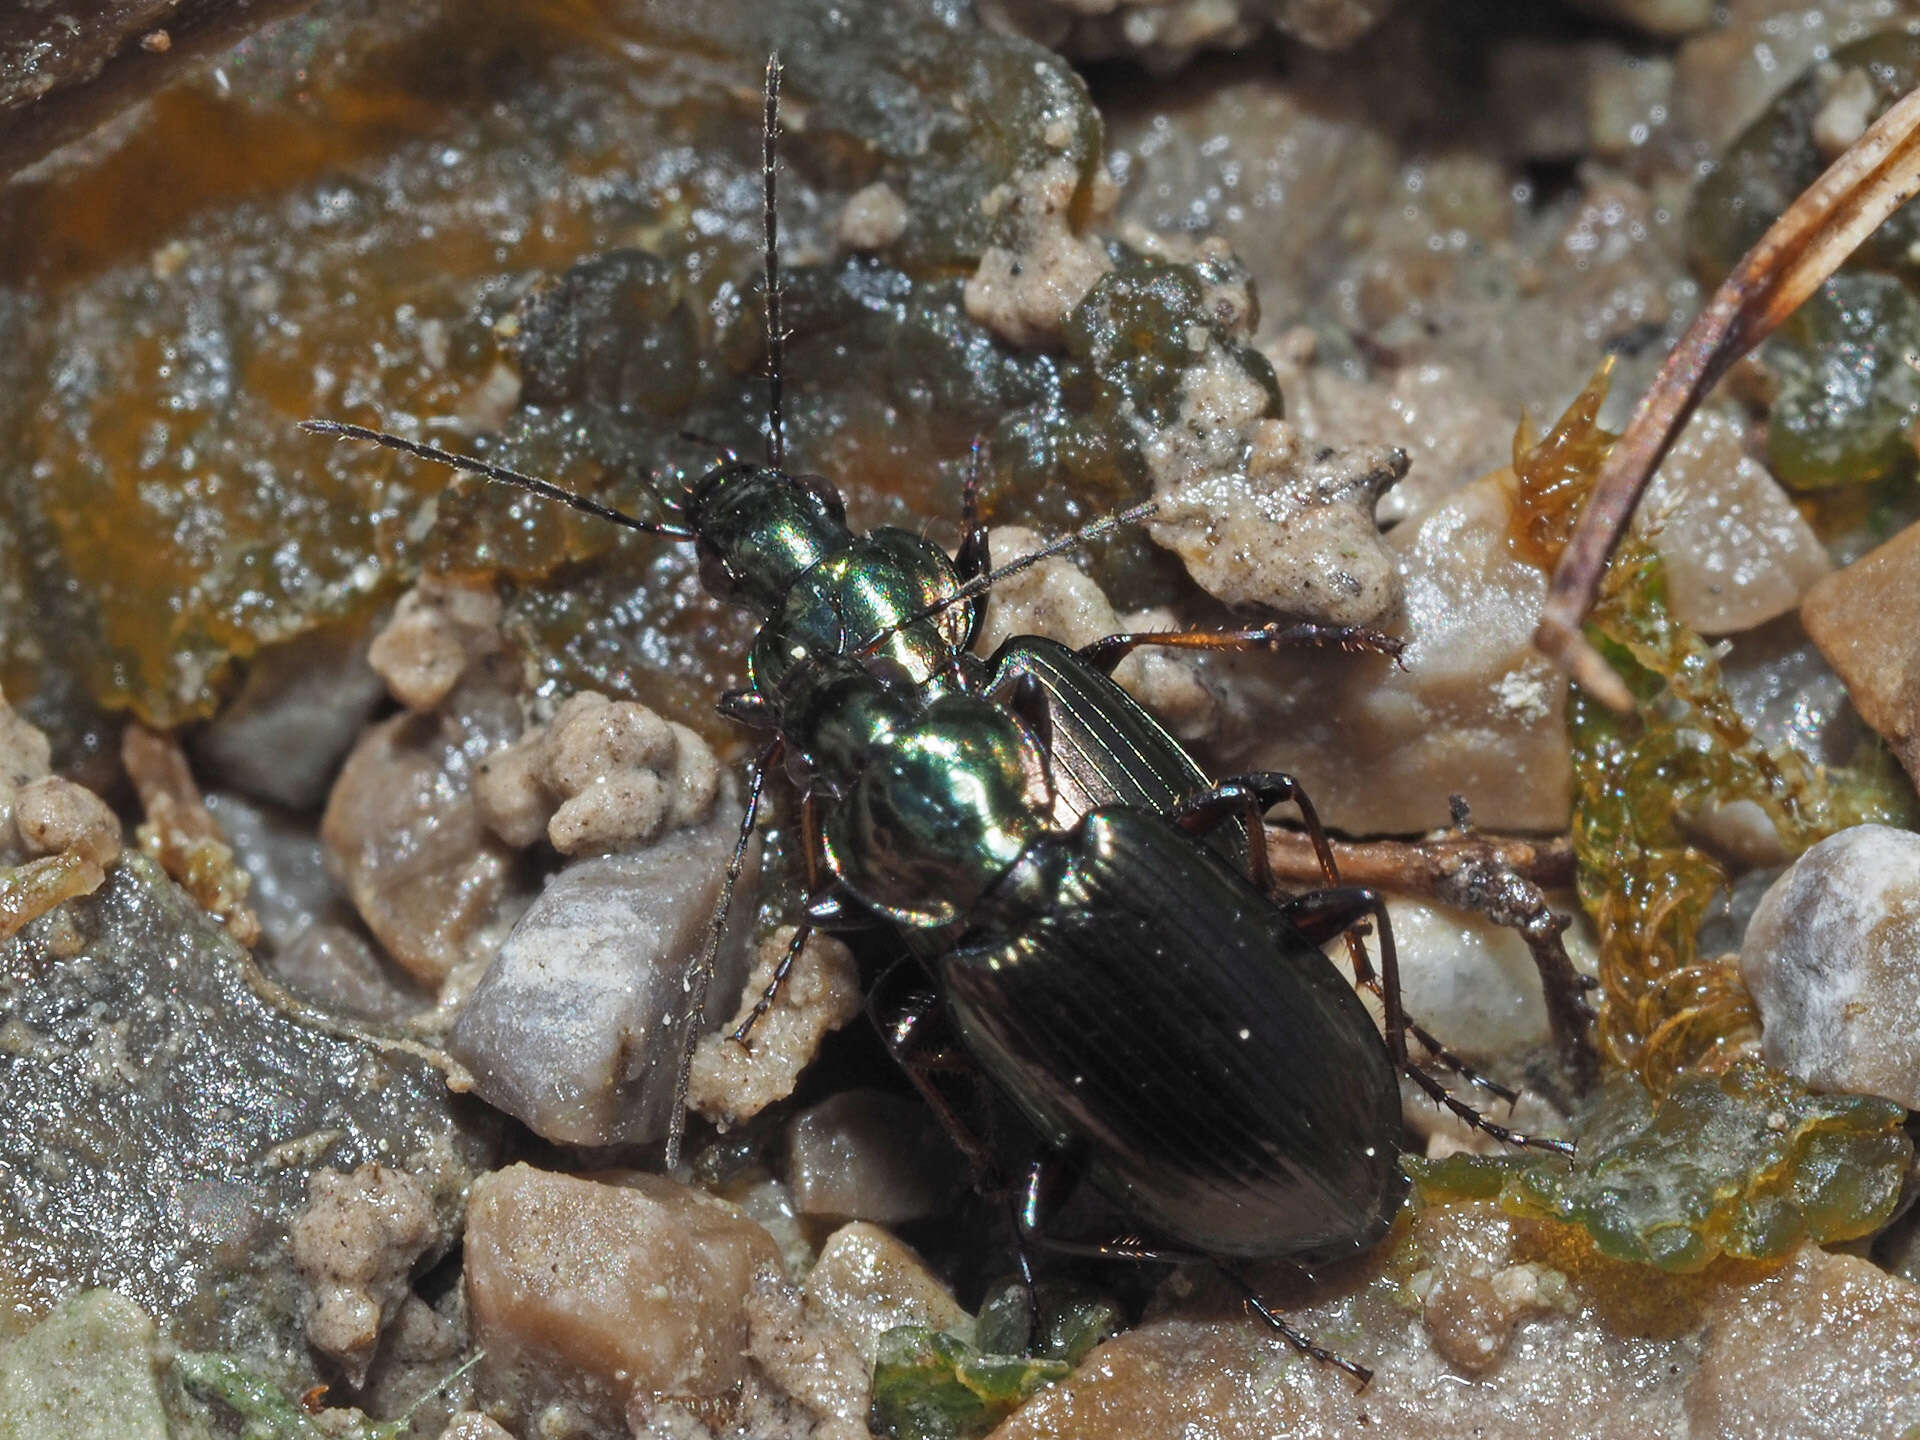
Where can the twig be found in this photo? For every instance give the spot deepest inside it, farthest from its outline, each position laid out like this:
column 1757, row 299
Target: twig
column 1501, row 877
column 1872, row 178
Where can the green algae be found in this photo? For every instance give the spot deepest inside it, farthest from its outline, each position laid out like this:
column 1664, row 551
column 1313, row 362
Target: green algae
column 933, row 1386
column 1748, row 1164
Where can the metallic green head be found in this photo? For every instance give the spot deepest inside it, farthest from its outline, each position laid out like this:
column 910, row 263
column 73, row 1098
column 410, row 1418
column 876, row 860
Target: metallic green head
column 760, row 529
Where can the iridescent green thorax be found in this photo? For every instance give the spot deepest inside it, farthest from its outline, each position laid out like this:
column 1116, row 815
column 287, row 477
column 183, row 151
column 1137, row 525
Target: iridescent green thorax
column 760, row 530
column 940, row 812
column 858, row 596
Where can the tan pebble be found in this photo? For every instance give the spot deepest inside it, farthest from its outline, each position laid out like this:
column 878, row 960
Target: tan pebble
column 628, row 805
column 1025, row 293
column 437, row 630
column 873, row 218
column 508, row 792
column 474, row 1425
column 869, row 1283
column 632, row 1284
column 353, row 1246
column 731, row 1081
column 55, row 815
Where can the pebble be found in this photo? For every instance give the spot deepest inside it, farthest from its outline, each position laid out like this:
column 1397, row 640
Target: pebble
column 1290, row 531
column 866, row 1155
column 292, row 888
column 627, row 1285
column 1829, row 959
column 298, row 712
column 403, row 834
column 84, row 1372
column 164, row 1118
column 605, row 776
column 869, row 1282
column 53, row 815
column 438, row 629
column 564, row 1030
column 353, row 1246
column 1862, row 620
column 1737, row 551
column 1471, row 708
column 1510, row 1333
column 1057, row 599
column 731, row 1081
column 1025, row 291
column 1468, row 980
column 333, row 966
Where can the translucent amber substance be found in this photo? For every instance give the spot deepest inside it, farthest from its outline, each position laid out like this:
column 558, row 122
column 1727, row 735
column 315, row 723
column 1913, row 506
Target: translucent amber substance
column 1748, row 1163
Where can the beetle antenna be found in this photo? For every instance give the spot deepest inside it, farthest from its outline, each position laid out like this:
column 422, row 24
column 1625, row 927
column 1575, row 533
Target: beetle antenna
column 770, row 224
column 533, row 485
column 980, row 584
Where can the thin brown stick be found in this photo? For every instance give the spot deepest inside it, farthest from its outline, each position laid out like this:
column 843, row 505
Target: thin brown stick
column 1501, row 877
column 1872, row 178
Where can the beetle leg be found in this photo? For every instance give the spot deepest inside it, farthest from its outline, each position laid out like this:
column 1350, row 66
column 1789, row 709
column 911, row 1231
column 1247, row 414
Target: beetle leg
column 1042, row 1193
column 903, row 1027
column 699, row 974
column 812, row 850
column 1474, row 1120
column 1104, row 654
column 1302, row 1343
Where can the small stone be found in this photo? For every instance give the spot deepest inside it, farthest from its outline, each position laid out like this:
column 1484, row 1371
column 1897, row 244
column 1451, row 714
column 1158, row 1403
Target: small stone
column 298, row 712
column 632, row 1284
column 873, row 218
column 1059, row 600
column 164, row 1118
column 1468, row 980
column 1294, row 533
column 732, row 1081
column 474, row 1425
column 870, row 1282
column 1861, row 618
column 1821, row 1349
column 865, row 1155
column 25, row 753
column 507, row 789
column 569, row 1028
column 332, row 966
column 1829, row 958
column 292, row 887
column 437, row 630
column 354, row 1245
column 1471, row 708
column 1737, row 552
column 54, row 815
column 605, row 776
column 402, row 830
column 800, row 1348
column 85, row 1372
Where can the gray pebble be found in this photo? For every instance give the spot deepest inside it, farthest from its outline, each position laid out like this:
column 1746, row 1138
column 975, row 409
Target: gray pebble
column 1832, row 957
column 565, row 1029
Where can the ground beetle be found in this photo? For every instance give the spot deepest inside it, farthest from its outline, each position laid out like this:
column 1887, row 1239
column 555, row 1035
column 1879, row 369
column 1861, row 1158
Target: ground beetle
column 1099, row 924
